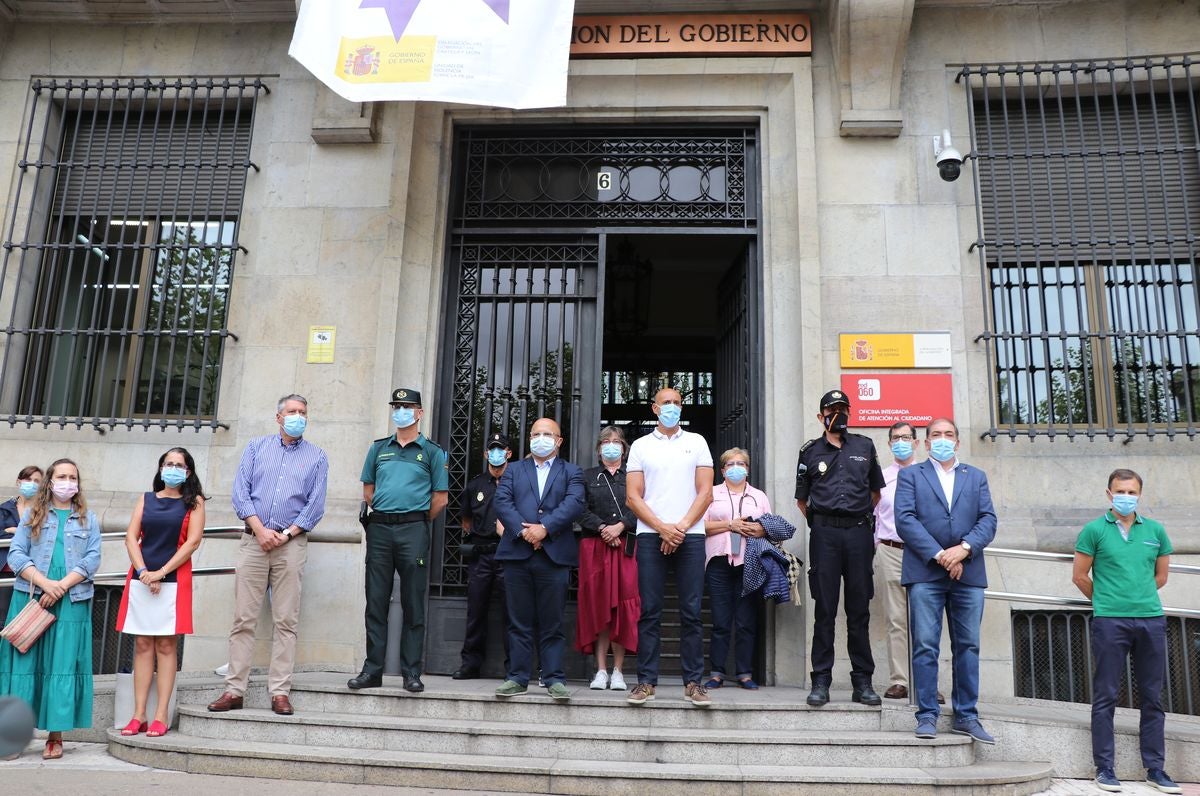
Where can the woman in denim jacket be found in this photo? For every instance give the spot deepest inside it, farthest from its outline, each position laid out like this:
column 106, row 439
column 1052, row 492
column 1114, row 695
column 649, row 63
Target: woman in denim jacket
column 55, row 555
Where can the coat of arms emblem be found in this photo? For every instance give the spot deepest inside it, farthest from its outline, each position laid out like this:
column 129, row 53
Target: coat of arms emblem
column 363, row 61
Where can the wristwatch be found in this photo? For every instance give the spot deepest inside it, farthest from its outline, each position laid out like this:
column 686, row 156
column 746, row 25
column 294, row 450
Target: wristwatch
column 966, row 546
column 288, row 533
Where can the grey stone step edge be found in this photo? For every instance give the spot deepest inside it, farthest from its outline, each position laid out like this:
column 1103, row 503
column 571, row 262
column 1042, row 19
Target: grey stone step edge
column 282, row 761
column 818, row 737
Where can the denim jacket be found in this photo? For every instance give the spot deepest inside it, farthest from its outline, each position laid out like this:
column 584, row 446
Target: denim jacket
column 82, row 549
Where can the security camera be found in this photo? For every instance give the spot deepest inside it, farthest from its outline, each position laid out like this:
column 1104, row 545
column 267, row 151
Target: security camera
column 949, row 159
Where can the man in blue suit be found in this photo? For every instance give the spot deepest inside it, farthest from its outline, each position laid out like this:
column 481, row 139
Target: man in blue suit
column 536, row 501
column 944, row 515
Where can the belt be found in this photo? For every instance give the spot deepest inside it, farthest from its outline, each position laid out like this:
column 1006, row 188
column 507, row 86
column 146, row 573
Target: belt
column 394, row 517
column 890, row 543
column 839, row 520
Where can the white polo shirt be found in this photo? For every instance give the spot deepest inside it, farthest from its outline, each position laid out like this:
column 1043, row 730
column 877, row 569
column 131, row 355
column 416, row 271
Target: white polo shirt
column 669, row 466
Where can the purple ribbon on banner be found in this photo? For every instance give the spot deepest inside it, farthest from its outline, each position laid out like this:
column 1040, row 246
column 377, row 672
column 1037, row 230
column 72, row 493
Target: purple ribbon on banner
column 400, row 12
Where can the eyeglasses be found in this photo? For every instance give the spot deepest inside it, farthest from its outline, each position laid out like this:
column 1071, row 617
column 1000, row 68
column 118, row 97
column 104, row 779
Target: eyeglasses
column 902, row 438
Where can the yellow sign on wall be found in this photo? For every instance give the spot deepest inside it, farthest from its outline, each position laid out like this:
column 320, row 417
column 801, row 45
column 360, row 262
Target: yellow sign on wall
column 320, row 344
column 895, row 350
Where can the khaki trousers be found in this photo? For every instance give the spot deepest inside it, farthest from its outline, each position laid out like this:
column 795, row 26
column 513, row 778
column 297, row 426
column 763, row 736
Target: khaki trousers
column 282, row 569
column 895, row 608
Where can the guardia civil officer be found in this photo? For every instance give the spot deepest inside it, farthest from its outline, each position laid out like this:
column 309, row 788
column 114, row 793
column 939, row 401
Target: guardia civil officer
column 838, row 480
column 485, row 575
column 406, row 485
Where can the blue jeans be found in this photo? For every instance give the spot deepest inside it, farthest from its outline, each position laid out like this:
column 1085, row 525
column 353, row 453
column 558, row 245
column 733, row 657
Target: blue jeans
column 1113, row 640
column 963, row 606
column 733, row 615
column 687, row 562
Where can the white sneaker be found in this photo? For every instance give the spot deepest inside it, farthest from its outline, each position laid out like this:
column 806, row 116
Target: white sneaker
column 617, row 681
column 222, row 670
column 600, row 681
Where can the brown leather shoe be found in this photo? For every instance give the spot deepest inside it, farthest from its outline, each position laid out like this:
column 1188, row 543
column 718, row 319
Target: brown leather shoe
column 897, row 692
column 281, row 705
column 227, row 702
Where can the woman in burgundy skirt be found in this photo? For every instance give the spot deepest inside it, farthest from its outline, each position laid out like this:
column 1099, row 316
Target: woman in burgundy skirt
column 609, row 603
column 165, row 530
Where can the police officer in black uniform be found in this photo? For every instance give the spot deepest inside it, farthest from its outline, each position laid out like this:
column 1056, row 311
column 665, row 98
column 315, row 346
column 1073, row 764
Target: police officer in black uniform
column 484, row 573
column 406, row 485
column 838, row 480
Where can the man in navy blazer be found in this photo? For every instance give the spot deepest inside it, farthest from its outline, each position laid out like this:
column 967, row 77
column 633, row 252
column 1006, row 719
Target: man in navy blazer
column 537, row 502
column 944, row 515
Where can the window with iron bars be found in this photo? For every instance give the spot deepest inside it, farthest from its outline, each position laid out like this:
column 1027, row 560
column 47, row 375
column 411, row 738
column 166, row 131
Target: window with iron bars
column 120, row 248
column 1087, row 185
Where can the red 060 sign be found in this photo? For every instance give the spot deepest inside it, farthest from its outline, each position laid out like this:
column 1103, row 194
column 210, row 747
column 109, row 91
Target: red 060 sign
column 881, row 399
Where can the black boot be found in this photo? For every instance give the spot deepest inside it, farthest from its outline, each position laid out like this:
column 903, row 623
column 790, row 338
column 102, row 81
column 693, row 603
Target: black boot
column 865, row 694
column 820, row 690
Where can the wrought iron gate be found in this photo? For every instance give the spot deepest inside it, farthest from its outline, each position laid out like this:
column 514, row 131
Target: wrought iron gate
column 523, row 333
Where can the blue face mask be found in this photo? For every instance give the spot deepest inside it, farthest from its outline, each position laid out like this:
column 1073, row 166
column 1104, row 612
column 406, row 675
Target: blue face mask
column 668, row 415
column 942, row 449
column 404, row 416
column 1125, row 504
column 542, row 446
column 902, row 450
column 497, row 456
column 610, row 451
column 174, row 476
column 294, row 425
column 28, row 488
column 736, row 474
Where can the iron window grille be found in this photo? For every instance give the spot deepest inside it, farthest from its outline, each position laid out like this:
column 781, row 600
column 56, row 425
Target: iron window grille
column 119, row 251
column 1052, row 660
column 1087, row 187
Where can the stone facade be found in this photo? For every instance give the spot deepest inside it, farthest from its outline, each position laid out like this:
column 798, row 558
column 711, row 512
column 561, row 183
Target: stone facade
column 858, row 234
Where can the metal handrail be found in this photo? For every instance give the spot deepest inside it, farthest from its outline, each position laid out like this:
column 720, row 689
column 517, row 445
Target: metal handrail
column 1080, row 602
column 1038, row 555
column 119, row 577
column 216, row 530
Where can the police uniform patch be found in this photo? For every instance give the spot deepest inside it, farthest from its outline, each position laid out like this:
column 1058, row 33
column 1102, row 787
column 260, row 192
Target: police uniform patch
column 479, row 497
column 822, row 467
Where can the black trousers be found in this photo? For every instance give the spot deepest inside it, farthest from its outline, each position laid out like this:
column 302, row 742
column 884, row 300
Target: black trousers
column 401, row 548
column 840, row 556
column 485, row 587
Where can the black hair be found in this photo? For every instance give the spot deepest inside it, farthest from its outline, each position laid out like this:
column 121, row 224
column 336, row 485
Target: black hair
column 190, row 489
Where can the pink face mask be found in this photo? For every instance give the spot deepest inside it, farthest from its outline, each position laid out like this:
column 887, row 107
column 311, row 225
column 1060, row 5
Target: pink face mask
column 64, row 490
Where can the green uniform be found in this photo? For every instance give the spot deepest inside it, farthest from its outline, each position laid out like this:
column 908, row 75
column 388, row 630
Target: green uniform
column 405, row 477
column 398, row 537
column 1123, row 569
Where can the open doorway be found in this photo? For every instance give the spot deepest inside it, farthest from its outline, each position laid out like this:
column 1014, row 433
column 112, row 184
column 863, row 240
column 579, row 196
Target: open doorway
column 676, row 313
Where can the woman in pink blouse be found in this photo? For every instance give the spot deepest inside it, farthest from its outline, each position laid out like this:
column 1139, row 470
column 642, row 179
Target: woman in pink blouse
column 730, row 519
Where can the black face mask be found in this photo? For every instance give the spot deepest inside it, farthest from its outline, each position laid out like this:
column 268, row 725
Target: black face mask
column 837, row 422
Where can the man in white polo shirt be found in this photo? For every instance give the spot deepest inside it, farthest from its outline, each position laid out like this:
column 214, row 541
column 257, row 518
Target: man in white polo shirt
column 668, row 486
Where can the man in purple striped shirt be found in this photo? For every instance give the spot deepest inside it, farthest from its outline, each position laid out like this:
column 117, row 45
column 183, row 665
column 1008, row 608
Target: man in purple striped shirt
column 279, row 492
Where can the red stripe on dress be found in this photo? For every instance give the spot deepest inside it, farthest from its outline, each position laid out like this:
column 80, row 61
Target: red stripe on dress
column 183, row 585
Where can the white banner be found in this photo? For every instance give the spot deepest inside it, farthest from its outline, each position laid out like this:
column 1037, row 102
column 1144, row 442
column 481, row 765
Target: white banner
column 502, row 53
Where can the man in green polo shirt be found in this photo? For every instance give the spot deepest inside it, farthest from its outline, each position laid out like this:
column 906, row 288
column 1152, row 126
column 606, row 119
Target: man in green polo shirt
column 1128, row 556
column 406, row 484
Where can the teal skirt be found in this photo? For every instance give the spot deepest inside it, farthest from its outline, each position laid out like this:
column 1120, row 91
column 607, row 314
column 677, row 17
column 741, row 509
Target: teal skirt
column 55, row 675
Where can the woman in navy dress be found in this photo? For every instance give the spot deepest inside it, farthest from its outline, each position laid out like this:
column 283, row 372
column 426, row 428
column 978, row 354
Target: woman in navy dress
column 165, row 530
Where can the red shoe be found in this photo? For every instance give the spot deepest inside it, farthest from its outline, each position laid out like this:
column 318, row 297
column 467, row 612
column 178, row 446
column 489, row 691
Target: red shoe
column 157, row 729
column 134, row 727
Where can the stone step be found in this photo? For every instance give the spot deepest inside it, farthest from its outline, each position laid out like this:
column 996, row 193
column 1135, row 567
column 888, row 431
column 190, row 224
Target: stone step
column 517, row 774
column 608, row 740
column 732, row 708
